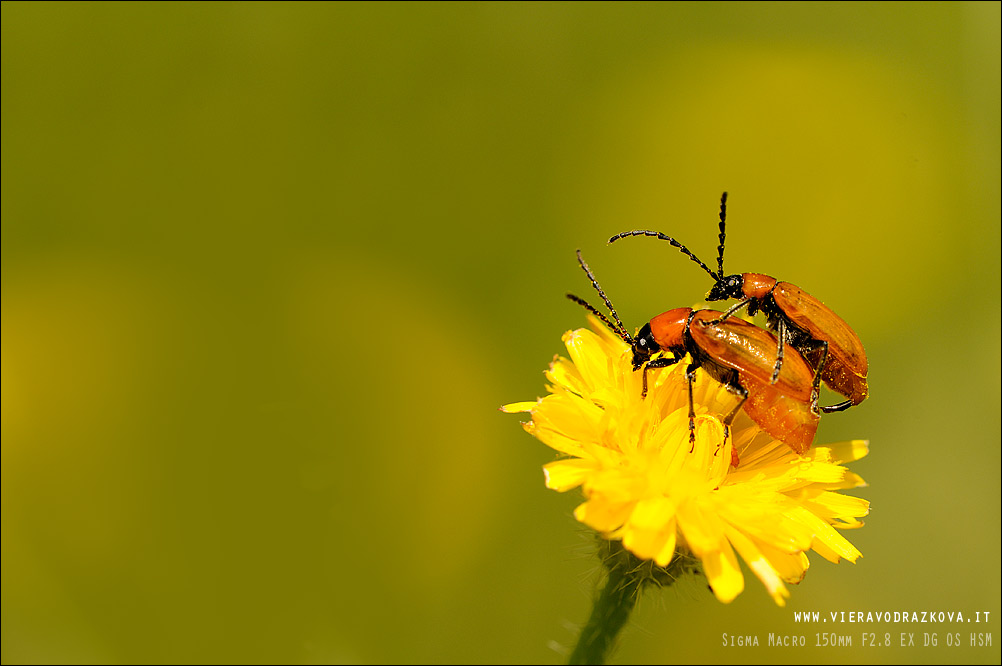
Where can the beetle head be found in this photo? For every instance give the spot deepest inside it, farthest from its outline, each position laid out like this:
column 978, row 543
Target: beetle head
column 644, row 346
column 731, row 286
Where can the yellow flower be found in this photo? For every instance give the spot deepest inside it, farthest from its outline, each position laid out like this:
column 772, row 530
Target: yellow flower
column 645, row 484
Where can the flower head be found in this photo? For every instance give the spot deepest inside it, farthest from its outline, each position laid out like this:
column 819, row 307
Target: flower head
column 646, row 484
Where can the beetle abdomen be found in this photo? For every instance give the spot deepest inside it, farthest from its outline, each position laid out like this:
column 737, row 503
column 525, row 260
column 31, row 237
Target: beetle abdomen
column 789, row 420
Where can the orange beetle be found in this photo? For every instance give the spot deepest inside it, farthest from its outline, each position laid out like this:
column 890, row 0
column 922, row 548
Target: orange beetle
column 739, row 355
column 800, row 320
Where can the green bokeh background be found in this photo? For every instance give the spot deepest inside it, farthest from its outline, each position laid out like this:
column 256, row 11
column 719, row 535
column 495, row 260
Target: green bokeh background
column 269, row 270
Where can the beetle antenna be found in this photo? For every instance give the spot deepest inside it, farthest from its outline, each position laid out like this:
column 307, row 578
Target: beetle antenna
column 621, row 330
column 582, row 302
column 722, row 235
column 660, row 236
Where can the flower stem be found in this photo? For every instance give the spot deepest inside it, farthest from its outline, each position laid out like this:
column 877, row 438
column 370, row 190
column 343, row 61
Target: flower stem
column 612, row 609
column 627, row 576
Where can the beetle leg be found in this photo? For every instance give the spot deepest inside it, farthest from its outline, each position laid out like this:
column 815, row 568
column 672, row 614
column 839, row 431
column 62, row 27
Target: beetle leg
column 690, row 376
column 816, row 386
column 781, row 334
column 821, row 365
column 730, row 311
column 742, row 392
column 840, row 407
column 660, row 362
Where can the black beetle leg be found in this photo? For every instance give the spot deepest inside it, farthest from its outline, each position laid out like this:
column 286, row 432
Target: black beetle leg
column 742, row 392
column 730, row 312
column 660, row 362
column 781, row 334
column 690, row 376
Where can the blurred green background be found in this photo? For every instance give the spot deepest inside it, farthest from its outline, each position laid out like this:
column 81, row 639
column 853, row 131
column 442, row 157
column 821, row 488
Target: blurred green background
column 270, row 269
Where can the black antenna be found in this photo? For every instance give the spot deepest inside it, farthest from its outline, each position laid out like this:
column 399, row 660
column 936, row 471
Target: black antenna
column 661, row 236
column 580, row 301
column 722, row 235
column 618, row 329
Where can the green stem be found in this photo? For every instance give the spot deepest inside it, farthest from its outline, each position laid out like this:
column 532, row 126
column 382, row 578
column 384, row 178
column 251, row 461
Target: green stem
column 612, row 609
column 627, row 576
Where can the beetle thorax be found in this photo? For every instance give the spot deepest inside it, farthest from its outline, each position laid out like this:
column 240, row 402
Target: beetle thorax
column 756, row 285
column 668, row 328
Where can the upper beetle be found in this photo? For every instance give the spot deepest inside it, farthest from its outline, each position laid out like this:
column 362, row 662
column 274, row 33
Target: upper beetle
column 739, row 355
column 800, row 320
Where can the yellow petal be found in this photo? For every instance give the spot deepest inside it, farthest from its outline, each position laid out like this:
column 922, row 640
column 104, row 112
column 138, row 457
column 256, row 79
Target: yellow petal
column 810, row 473
column 851, row 451
column 612, row 341
column 603, row 516
column 832, row 506
column 571, row 416
column 791, row 567
column 586, row 352
column 562, row 475
column 761, row 515
column 644, row 543
column 663, row 557
column 616, row 485
column 653, row 513
column 827, row 542
column 760, row 565
column 563, row 374
column 723, row 573
column 850, row 480
column 516, row 407
column 557, row 440
column 703, row 530
column 848, row 524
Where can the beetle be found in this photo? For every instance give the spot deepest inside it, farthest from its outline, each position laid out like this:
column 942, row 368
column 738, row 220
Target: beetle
column 800, row 321
column 739, row 355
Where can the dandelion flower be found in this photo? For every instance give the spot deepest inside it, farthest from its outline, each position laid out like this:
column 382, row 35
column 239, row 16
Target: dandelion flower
column 646, row 485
